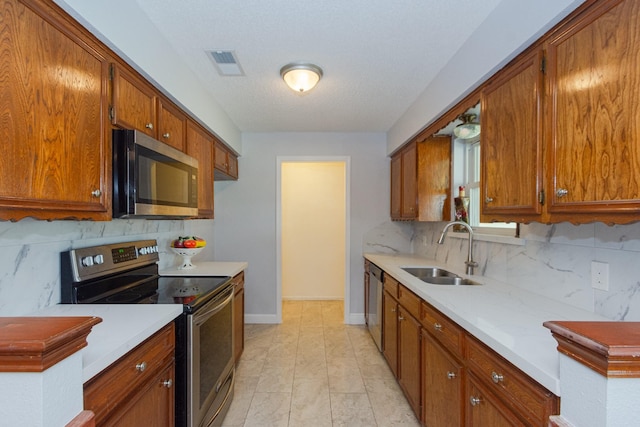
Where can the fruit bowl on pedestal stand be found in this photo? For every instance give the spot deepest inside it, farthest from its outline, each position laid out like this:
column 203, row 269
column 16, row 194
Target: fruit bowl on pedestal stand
column 187, row 254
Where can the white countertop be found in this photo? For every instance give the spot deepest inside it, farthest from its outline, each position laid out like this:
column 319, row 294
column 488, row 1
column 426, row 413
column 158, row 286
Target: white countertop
column 208, row 268
column 506, row 318
column 123, row 327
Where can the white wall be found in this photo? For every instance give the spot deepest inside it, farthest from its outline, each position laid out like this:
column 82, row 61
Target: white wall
column 122, row 26
column 509, row 29
column 245, row 224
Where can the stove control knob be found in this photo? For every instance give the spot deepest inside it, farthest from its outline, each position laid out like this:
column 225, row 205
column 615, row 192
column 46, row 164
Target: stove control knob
column 98, row 259
column 143, row 251
column 87, row 261
column 155, row 248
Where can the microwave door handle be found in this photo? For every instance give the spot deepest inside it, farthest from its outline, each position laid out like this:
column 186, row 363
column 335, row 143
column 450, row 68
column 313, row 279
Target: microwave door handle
column 205, row 315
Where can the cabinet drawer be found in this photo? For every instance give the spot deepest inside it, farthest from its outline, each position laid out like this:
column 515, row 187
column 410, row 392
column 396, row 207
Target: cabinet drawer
column 528, row 398
column 409, row 300
column 111, row 388
column 238, row 282
column 450, row 335
column 391, row 285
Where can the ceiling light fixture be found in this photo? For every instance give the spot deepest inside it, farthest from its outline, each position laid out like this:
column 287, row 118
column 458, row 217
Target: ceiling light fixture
column 301, row 76
column 469, row 128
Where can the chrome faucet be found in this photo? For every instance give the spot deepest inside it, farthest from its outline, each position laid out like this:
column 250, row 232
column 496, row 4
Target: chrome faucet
column 470, row 263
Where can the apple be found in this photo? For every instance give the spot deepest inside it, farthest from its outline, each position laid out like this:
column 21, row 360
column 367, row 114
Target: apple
column 189, row 243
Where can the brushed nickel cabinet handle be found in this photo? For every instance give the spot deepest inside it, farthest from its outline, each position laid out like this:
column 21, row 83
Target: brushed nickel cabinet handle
column 451, row 375
column 149, row 125
column 475, row 401
column 496, row 378
column 140, row 367
column 561, row 192
column 488, row 199
column 167, row 383
column 96, row 193
column 166, row 135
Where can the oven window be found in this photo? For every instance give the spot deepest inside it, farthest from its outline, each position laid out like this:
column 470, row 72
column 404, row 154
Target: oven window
column 215, row 350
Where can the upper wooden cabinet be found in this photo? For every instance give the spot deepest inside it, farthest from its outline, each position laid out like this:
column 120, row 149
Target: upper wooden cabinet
column 200, row 146
column 561, row 144
column 420, row 181
column 55, row 160
column 172, row 124
column 511, row 141
column 593, row 125
column 226, row 163
column 134, row 102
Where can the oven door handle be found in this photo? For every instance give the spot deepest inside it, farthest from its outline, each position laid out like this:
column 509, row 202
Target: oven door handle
column 203, row 315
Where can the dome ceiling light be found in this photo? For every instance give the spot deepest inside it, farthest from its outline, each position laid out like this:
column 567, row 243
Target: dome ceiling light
column 301, row 76
column 469, row 127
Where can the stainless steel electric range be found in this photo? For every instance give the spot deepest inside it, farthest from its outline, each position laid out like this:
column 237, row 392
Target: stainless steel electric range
column 127, row 273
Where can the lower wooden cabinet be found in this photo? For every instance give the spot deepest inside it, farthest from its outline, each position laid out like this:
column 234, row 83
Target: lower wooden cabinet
column 409, row 360
column 484, row 408
column 390, row 330
column 448, row 376
column 238, row 316
column 442, row 385
column 137, row 389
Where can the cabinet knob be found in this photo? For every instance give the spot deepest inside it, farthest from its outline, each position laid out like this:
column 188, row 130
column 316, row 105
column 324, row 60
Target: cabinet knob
column 140, row 367
column 496, row 378
column 400, row 318
column 561, row 192
column 149, row 125
column 488, row 199
column 166, row 135
column 437, row 327
column 167, row 383
column 393, row 310
column 96, row 193
column 475, row 401
column 451, row 375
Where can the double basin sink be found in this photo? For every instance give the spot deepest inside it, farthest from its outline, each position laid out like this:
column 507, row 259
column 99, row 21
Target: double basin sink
column 438, row 276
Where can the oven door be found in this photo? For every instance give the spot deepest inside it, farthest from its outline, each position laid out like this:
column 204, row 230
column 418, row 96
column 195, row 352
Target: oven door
column 210, row 362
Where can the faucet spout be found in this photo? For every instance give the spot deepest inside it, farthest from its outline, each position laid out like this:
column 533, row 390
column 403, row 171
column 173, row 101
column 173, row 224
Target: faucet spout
column 470, row 263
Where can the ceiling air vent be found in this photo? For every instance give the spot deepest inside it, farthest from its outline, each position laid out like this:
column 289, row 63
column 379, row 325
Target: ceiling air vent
column 226, row 62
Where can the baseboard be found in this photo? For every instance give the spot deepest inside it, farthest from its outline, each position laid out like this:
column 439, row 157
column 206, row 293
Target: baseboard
column 356, row 319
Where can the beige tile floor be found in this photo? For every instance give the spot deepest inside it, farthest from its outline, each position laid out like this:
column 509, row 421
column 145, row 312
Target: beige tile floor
column 313, row 370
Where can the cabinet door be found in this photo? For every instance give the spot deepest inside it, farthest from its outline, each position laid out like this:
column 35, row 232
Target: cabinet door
column 221, row 161
column 233, row 165
column 396, row 186
column 442, row 385
column 409, row 360
column 153, row 405
column 485, row 409
column 409, row 182
column 433, row 183
column 55, row 160
column 594, row 96
column 238, row 316
column 134, row 102
column 511, row 141
column 171, row 125
column 200, row 146
column 390, row 331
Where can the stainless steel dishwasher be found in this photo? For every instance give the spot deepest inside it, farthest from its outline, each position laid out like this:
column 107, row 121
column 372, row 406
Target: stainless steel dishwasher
column 374, row 306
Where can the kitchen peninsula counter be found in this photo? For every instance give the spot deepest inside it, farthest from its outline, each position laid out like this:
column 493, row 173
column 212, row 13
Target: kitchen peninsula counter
column 506, row 318
column 123, row 327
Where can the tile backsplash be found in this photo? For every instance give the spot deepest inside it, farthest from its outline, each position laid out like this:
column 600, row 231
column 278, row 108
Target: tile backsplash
column 555, row 261
column 30, row 261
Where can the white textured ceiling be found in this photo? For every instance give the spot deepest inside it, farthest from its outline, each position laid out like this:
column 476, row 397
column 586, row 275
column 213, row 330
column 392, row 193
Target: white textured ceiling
column 377, row 55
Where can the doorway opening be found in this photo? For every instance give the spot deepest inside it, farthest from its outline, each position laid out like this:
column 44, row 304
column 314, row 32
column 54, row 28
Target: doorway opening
column 312, row 230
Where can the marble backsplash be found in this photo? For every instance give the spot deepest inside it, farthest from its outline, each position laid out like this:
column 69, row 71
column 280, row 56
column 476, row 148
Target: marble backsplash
column 30, row 261
column 554, row 261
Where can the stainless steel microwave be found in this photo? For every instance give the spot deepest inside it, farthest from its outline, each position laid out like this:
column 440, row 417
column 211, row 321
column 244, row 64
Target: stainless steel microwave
column 152, row 179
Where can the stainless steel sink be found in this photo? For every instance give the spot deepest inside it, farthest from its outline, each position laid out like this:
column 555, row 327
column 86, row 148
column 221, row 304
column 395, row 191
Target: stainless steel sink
column 438, row 276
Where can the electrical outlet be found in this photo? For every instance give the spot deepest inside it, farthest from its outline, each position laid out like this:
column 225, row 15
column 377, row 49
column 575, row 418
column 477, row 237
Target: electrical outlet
column 600, row 275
